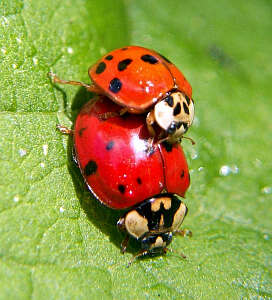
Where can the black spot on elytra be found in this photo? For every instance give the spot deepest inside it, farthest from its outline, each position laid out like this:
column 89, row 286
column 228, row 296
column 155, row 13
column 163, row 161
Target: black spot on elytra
column 166, row 59
column 109, row 57
column 90, row 168
column 121, row 188
column 115, row 85
column 186, row 109
column 177, row 109
column 169, row 100
column 124, row 49
column 187, row 99
column 182, row 174
column 168, row 147
column 100, row 68
column 149, row 59
column 110, row 145
column 139, row 180
column 123, row 64
column 81, row 130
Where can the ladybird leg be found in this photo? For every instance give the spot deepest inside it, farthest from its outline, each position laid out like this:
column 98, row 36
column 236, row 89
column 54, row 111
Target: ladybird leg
column 162, row 140
column 150, row 145
column 74, row 156
column 165, row 250
column 150, row 120
column 111, row 114
column 184, row 232
column 65, row 130
column 89, row 87
column 124, row 244
column 141, row 253
column 123, row 111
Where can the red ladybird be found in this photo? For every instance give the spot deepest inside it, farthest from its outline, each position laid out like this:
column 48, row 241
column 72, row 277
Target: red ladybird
column 116, row 162
column 141, row 80
column 122, row 171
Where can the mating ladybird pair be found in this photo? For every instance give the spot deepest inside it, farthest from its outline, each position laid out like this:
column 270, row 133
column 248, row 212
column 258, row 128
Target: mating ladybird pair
column 151, row 100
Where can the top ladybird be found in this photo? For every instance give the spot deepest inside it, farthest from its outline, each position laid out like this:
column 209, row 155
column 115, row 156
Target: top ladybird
column 141, row 80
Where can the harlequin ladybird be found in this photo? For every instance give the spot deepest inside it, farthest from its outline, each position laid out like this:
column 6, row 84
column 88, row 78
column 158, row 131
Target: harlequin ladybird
column 141, row 80
column 116, row 162
column 121, row 171
column 153, row 222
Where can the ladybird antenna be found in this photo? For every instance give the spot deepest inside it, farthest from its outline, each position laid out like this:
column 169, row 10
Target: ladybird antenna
column 188, row 138
column 180, row 254
column 140, row 254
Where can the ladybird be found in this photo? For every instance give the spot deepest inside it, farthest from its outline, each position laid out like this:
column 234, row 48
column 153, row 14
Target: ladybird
column 121, row 171
column 116, row 162
column 143, row 81
column 153, row 222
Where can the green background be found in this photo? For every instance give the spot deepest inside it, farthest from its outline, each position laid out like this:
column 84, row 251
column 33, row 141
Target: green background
column 56, row 241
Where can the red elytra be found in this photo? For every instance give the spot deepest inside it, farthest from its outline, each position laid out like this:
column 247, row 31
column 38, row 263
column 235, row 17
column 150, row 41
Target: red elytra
column 115, row 159
column 137, row 78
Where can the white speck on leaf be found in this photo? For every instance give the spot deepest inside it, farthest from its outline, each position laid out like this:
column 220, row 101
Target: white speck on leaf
column 18, row 40
column 227, row 170
column 3, row 50
column 194, row 154
column 22, row 152
column 35, row 61
column 70, row 50
column 224, row 170
column 61, row 209
column 267, row 190
column 42, row 165
column 4, row 21
column 16, row 199
column 266, row 237
column 45, row 149
column 14, row 66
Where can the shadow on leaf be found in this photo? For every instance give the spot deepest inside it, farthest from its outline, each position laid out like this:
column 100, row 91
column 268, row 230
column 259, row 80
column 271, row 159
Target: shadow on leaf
column 104, row 218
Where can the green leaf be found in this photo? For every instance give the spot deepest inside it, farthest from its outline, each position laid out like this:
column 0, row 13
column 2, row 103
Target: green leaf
column 56, row 241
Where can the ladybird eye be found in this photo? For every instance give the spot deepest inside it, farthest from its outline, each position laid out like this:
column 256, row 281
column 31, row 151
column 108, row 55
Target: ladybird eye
column 147, row 242
column 167, row 237
column 172, row 128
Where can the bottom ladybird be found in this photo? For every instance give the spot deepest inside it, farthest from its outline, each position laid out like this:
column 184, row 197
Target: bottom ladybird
column 153, row 222
column 122, row 173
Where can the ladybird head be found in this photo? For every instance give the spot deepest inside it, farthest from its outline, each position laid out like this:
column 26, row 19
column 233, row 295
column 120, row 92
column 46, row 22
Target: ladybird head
column 175, row 113
column 154, row 221
column 155, row 243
